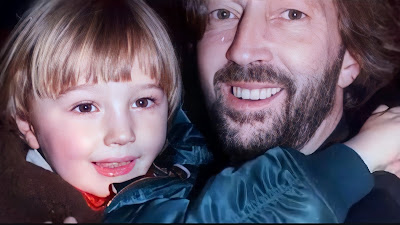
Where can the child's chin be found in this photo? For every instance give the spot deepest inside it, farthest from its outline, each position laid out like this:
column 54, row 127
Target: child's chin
column 125, row 177
column 102, row 192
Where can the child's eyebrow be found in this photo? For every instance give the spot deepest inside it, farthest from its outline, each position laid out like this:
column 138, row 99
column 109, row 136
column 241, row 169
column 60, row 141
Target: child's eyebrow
column 150, row 86
column 82, row 86
column 89, row 85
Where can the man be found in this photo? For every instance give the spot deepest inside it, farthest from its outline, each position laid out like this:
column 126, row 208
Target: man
column 281, row 73
column 279, row 55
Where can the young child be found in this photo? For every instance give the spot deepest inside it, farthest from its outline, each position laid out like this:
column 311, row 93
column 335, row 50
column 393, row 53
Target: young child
column 93, row 88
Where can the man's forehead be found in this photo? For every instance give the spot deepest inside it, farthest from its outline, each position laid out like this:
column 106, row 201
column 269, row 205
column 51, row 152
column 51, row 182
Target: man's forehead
column 317, row 4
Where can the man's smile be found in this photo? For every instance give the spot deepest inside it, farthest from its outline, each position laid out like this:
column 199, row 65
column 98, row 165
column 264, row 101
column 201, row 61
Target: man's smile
column 254, row 94
column 245, row 96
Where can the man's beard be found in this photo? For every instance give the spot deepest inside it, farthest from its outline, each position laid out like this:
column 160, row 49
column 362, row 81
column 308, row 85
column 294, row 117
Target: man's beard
column 302, row 111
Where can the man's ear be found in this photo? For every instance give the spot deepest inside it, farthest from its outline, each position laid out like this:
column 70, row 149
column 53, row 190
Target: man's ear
column 27, row 130
column 349, row 71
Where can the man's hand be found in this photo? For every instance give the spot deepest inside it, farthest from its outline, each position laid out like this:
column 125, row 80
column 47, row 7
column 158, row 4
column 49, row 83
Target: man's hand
column 378, row 142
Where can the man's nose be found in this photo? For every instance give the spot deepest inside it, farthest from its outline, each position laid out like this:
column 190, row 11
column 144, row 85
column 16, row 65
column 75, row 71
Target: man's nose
column 250, row 44
column 120, row 130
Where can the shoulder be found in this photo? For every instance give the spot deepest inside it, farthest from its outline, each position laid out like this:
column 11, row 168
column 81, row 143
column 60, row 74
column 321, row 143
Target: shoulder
column 29, row 193
column 382, row 204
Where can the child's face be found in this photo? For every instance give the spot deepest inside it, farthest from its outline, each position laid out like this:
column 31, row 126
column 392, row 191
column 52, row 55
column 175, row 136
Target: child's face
column 98, row 134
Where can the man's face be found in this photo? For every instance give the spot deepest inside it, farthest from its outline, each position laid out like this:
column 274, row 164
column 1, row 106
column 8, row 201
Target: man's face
column 269, row 71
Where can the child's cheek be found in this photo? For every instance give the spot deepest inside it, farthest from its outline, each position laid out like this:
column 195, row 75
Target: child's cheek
column 80, row 139
column 69, row 140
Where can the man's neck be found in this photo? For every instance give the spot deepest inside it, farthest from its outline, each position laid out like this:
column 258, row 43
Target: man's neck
column 324, row 131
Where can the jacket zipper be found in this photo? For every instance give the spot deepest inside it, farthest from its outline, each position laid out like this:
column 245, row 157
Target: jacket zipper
column 132, row 184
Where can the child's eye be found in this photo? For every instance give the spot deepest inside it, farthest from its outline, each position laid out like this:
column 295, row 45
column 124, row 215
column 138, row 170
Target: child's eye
column 85, row 108
column 143, row 103
column 293, row 14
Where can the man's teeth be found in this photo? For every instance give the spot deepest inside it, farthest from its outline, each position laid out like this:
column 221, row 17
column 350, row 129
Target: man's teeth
column 254, row 94
column 113, row 164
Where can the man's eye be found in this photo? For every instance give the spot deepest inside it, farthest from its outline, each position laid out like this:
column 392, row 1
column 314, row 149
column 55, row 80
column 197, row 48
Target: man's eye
column 85, row 108
column 143, row 103
column 222, row 14
column 292, row 14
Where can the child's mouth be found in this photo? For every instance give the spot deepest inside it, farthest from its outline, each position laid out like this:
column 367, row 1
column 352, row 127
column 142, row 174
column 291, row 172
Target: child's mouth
column 114, row 169
column 113, row 164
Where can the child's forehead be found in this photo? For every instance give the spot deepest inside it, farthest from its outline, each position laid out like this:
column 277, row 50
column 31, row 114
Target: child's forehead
column 91, row 68
column 137, row 81
column 108, row 89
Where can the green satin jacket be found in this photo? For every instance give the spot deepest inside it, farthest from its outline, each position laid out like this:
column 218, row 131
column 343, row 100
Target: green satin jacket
column 282, row 185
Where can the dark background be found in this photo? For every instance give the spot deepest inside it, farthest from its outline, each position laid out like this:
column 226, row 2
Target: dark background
column 10, row 11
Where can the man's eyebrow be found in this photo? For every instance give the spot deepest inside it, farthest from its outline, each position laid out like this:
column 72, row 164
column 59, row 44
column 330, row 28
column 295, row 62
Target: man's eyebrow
column 240, row 2
column 316, row 4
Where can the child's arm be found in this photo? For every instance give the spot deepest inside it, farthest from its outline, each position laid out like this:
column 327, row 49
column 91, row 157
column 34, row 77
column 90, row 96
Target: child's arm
column 282, row 185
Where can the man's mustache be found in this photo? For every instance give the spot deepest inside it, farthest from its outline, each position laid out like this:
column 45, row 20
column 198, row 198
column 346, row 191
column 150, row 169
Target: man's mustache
column 233, row 72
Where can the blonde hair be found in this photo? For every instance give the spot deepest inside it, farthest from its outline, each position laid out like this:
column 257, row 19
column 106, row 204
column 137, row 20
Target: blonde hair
column 58, row 42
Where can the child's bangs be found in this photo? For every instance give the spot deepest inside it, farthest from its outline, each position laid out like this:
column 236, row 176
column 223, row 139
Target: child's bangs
column 102, row 47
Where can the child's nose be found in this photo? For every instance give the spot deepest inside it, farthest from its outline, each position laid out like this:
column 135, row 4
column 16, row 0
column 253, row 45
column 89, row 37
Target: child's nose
column 120, row 131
